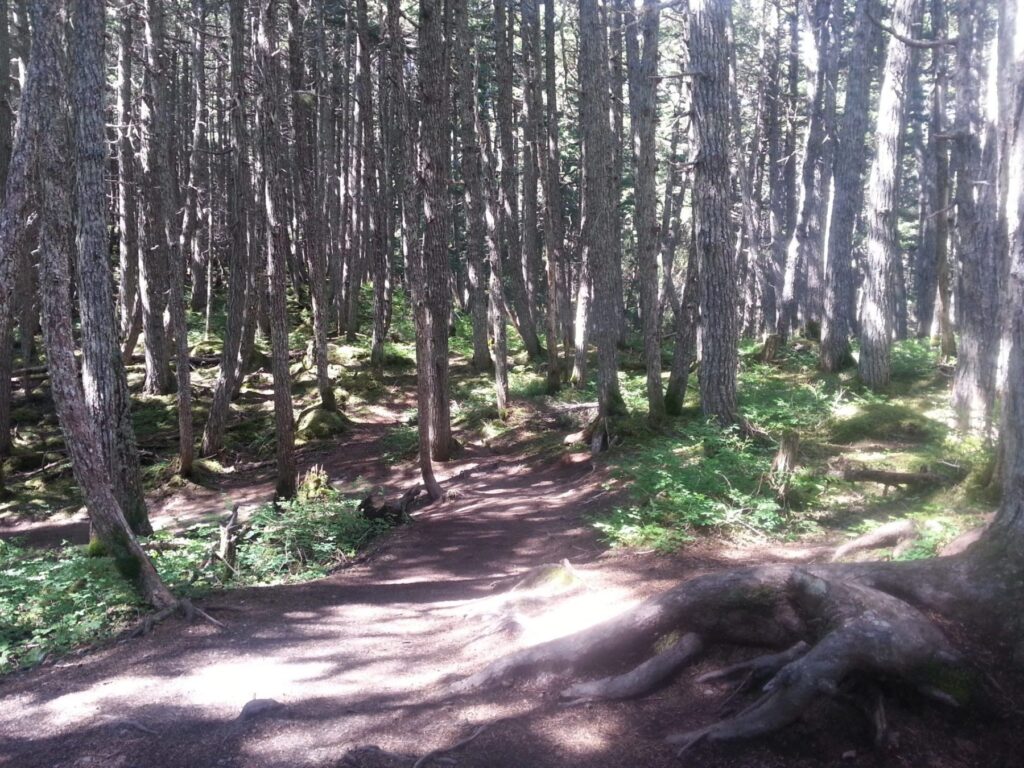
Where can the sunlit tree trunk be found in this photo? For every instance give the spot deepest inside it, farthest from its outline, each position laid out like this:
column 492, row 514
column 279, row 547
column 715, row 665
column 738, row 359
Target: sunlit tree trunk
column 709, row 49
column 554, row 228
column 877, row 312
column 238, row 222
column 848, row 182
column 103, row 374
column 597, row 200
column 269, row 125
column 81, row 433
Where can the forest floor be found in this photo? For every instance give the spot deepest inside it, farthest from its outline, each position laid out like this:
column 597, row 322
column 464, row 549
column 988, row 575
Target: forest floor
column 357, row 663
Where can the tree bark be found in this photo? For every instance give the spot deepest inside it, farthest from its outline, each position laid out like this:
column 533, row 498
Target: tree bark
column 848, row 183
column 709, row 51
column 238, row 221
column 882, row 247
column 554, row 228
column 81, row 433
column 643, row 96
column 269, row 98
column 598, row 201
column 103, row 374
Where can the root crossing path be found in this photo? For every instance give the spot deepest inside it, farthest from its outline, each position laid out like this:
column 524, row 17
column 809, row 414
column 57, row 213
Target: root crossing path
column 355, row 670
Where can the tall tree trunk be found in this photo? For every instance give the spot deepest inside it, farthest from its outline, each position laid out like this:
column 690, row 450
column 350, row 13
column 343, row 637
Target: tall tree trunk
column 512, row 249
column 643, row 95
column 882, row 247
column 472, row 177
column 804, row 255
column 974, row 168
column 532, row 107
column 154, row 141
column 81, row 433
column 434, row 293
column 709, row 49
column 687, row 309
column 269, row 99
column 598, row 201
column 238, row 221
column 554, row 228
column 130, row 309
column 848, row 173
column 103, row 374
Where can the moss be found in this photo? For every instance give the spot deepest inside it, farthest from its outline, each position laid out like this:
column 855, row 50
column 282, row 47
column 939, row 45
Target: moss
column 666, row 641
column 886, row 421
column 95, row 548
column 320, row 424
column 962, row 685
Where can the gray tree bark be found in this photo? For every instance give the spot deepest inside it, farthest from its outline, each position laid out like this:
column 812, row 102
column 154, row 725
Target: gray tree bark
column 709, row 51
column 878, row 307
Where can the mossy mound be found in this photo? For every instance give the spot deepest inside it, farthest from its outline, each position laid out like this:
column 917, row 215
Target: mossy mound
column 206, row 348
column 887, row 422
column 321, row 424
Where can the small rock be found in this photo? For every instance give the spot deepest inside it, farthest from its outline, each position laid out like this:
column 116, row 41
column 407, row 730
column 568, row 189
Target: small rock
column 258, row 707
column 849, row 754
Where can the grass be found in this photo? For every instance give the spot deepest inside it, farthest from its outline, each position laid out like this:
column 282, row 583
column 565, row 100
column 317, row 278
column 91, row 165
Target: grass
column 56, row 600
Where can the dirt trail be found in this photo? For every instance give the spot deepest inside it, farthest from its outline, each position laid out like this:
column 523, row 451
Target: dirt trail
column 358, row 660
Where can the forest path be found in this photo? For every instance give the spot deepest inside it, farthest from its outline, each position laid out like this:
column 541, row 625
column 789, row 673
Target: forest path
column 360, row 659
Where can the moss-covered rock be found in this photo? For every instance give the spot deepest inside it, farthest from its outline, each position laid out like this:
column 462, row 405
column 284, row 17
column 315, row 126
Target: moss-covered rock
column 321, row 424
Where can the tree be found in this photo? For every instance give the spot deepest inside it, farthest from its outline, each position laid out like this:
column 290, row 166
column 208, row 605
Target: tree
column 847, row 173
column 81, row 432
column 709, row 53
column 269, row 126
column 597, row 202
column 877, row 313
column 643, row 80
column 432, row 294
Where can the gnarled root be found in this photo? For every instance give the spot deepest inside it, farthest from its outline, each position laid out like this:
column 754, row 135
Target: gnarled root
column 844, row 627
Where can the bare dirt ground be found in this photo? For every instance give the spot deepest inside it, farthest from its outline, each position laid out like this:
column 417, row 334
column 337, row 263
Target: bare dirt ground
column 356, row 663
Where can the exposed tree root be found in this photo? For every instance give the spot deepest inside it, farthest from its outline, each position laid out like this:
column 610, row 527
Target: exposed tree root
column 833, row 621
column 898, row 533
column 641, row 679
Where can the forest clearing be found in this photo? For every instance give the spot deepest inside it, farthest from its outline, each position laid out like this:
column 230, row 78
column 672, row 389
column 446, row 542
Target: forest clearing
column 526, row 384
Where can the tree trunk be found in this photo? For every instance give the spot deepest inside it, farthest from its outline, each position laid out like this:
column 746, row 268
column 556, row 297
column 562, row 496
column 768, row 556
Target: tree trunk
column 81, row 433
column 685, row 349
column 238, row 222
column 269, row 98
column 882, row 208
column 434, row 294
column 153, row 144
column 598, row 201
column 848, row 173
column 643, row 94
column 473, row 197
column 103, row 374
column 709, row 50
column 554, row 229
column 512, row 248
column 974, row 168
column 127, row 194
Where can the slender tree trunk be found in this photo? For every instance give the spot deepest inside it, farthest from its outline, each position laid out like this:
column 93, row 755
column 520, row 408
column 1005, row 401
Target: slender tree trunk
column 643, row 96
column 598, row 201
column 848, row 172
column 238, row 221
column 473, row 196
column 882, row 249
column 709, row 49
column 685, row 348
column 154, row 141
column 532, row 108
column 127, row 194
column 512, row 249
column 81, row 433
column 974, row 168
column 103, row 374
column 554, row 228
column 269, row 99
column 433, row 274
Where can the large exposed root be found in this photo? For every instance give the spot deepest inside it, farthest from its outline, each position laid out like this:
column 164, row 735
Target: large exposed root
column 641, row 679
column 834, row 624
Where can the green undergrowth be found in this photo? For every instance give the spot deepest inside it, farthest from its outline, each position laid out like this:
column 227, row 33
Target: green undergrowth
column 693, row 477
column 55, row 600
